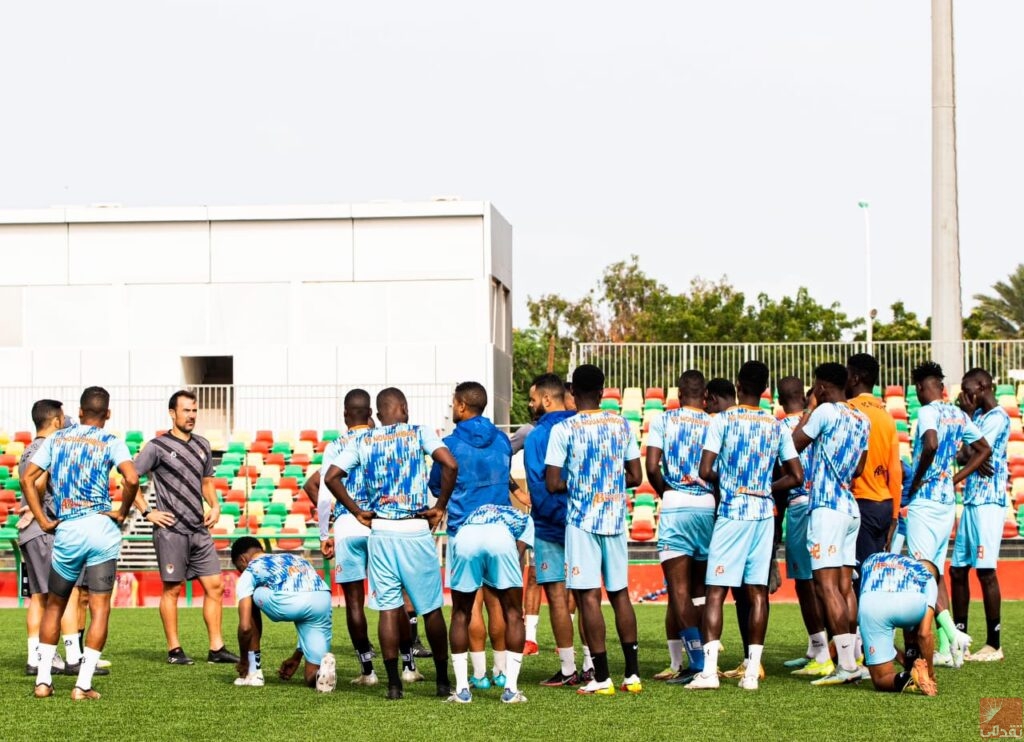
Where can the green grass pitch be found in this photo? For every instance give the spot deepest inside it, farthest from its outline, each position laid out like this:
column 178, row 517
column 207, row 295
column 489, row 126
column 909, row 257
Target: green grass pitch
column 146, row 699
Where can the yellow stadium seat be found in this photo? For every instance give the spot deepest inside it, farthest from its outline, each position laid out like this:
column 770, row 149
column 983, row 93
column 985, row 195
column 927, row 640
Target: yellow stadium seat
column 255, row 507
column 242, row 436
column 1015, row 449
column 5, row 437
column 304, row 447
column 295, row 520
column 895, row 403
column 240, row 483
column 15, row 448
column 282, row 496
column 271, row 471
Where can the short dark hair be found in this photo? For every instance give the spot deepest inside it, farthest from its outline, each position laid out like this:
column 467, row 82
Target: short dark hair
column 390, row 396
column 753, row 377
column 45, row 410
column 243, row 546
column 172, row 404
column 472, row 394
column 865, row 366
column 722, row 388
column 587, row 379
column 550, row 384
column 357, row 399
column 927, row 370
column 692, row 383
column 95, row 401
column 791, row 389
column 832, row 373
column 981, row 375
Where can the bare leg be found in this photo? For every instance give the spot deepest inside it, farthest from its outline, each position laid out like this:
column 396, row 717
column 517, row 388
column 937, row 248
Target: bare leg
column 213, row 603
column 169, row 613
column 558, row 608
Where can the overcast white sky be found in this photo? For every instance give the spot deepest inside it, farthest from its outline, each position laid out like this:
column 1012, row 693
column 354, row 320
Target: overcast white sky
column 708, row 137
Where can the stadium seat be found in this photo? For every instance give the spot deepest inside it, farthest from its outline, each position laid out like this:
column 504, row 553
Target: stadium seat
column 654, row 392
column 261, row 494
column 331, row 435
column 24, row 437
column 4, row 472
column 226, row 470
column 271, row 472
column 8, row 460
column 303, row 448
column 309, row 435
column 237, row 447
column 654, row 404
column 254, row 458
column 220, row 544
column 672, row 404
column 230, row 507
column 610, row 404
column 290, row 544
column 302, row 506
column 274, row 459
column 294, row 470
column 320, row 447
column 642, row 531
column 264, row 435
column 133, row 436
column 282, row 447
column 894, row 390
column 12, row 485
column 612, row 392
column 282, row 496
column 234, row 496
column 261, row 447
column 278, row 508
column 289, row 483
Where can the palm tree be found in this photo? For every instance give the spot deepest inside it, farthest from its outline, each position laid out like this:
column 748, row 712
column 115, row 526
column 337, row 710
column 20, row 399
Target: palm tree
column 1003, row 313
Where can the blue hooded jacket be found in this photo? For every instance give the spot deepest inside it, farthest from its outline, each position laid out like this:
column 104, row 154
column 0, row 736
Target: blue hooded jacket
column 484, row 456
column 548, row 510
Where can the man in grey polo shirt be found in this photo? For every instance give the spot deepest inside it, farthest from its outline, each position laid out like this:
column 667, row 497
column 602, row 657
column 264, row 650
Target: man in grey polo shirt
column 181, row 465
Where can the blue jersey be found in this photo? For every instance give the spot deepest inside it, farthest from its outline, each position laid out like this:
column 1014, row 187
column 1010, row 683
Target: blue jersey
column 893, row 573
column 747, row 441
column 514, row 520
column 79, row 460
column 353, row 477
column 952, row 427
column 547, row 510
column 282, row 573
column 680, row 435
column 484, row 456
column 806, row 459
column 979, row 490
column 394, row 468
column 840, row 435
column 593, row 448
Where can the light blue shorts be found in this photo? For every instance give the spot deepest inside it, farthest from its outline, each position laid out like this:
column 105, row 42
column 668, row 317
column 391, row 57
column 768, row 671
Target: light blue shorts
column 590, row 557
column 84, row 542
column 929, row 525
column 979, row 536
column 880, row 614
column 484, row 554
column 350, row 549
column 798, row 556
column 548, row 561
column 685, row 532
column 831, row 538
column 404, row 560
column 309, row 611
column 740, row 552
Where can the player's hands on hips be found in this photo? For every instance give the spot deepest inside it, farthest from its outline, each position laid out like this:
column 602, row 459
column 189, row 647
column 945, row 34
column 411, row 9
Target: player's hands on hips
column 116, row 516
column 161, row 518
column 327, row 548
column 49, row 526
column 212, row 516
column 433, row 517
column 288, row 668
column 365, row 517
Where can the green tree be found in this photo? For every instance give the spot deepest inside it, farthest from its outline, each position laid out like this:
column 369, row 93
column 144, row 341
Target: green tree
column 904, row 326
column 529, row 358
column 1001, row 313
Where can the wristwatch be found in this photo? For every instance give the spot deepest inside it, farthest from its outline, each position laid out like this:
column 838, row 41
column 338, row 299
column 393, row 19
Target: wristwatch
column 146, row 512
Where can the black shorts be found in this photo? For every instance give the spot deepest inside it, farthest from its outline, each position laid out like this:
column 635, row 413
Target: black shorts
column 35, row 562
column 183, row 556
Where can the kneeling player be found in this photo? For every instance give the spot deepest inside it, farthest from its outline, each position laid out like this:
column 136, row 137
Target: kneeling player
column 898, row 592
column 286, row 588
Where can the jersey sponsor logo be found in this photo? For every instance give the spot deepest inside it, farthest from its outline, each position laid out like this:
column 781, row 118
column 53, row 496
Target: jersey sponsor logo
column 720, row 570
column 174, row 454
column 170, row 569
column 816, row 551
column 871, row 651
column 981, row 552
column 543, row 566
column 575, row 571
column 832, row 549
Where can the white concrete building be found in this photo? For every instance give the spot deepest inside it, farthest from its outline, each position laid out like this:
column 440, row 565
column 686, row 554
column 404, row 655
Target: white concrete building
column 286, row 305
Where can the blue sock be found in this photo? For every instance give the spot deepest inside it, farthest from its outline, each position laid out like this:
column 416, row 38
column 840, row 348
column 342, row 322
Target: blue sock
column 694, row 648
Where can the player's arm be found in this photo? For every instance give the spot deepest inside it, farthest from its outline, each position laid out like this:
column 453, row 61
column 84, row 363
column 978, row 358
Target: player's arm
column 129, row 488
column 981, row 451
column 555, row 457
column 860, row 464
column 30, row 488
column 312, row 487
column 653, row 466
column 210, row 495
column 792, row 476
column 634, row 474
column 449, row 472
column 707, row 469
column 333, row 479
column 147, row 460
column 518, row 494
column 929, row 447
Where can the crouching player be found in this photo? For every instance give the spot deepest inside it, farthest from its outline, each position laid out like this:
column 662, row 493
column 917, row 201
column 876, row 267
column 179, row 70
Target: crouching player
column 898, row 592
column 286, row 588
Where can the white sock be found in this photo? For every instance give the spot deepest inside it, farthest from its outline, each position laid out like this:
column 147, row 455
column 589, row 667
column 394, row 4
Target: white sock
column 479, row 660
column 588, row 661
column 44, row 663
column 33, row 648
column 72, row 654
column 818, row 647
column 531, row 628
column 499, row 661
column 460, row 665
column 858, row 646
column 711, row 657
column 845, row 647
column 515, row 664
column 254, row 661
column 754, row 660
column 675, row 653
column 567, row 655
column 89, row 659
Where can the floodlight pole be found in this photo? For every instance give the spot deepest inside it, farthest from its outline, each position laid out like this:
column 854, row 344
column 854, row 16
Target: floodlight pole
column 947, row 312
column 869, row 315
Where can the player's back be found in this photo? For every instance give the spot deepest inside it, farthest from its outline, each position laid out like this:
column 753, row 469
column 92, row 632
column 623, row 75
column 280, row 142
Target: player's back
column 680, row 434
column 354, row 479
column 840, row 435
column 747, row 440
column 893, row 573
column 80, row 459
column 285, row 573
column 949, row 423
column 394, row 469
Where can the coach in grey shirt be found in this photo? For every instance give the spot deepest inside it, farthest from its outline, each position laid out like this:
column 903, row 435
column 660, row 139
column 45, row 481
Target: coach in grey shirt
column 181, row 465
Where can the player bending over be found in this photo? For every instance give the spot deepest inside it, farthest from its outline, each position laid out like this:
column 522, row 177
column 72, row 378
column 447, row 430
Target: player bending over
column 286, row 588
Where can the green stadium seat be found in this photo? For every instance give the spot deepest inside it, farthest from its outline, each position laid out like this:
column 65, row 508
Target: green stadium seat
column 902, row 426
column 226, row 470
column 132, row 446
column 318, row 458
column 277, row 508
column 12, row 484
column 633, row 415
column 230, row 508
column 271, row 520
column 281, row 447
column 265, row 483
column 766, row 404
column 235, row 458
column 262, row 494
column 331, row 435
column 1005, row 389
column 655, row 404
column 877, row 390
column 4, row 472
column 610, row 404
column 237, row 447
column 133, row 436
column 644, row 500
column 293, row 470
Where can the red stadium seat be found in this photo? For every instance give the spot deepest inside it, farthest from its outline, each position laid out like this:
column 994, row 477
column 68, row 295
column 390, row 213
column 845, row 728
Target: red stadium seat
column 289, row 544
column 23, row 436
column 252, row 472
column 1009, row 529
column 260, row 447
column 303, row 506
column 300, row 459
column 9, row 498
column 321, row 446
column 309, row 435
column 220, row 544
column 642, row 531
column 612, row 392
column 234, row 496
column 655, row 392
column 899, row 414
column 1013, row 411
column 220, row 483
column 672, row 404
column 1017, row 435
column 894, row 391
column 274, row 459
column 265, row 435
column 646, row 488
column 159, row 433
column 904, row 436
column 289, row 483
column 8, row 460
